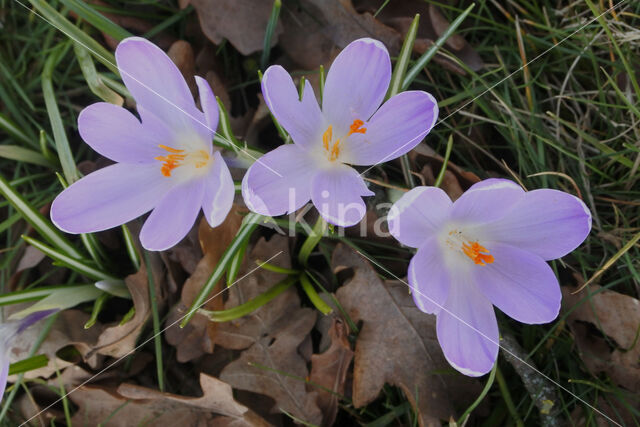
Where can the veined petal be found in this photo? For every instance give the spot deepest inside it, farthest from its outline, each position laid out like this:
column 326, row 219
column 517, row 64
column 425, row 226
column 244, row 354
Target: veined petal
column 337, row 194
column 117, row 134
column 302, row 119
column 467, row 329
column 486, row 201
column 418, row 215
column 209, row 105
column 156, row 83
column 173, row 216
column 549, row 223
column 520, row 284
column 395, row 129
column 356, row 83
column 429, row 278
column 280, row 181
column 219, row 191
column 109, row 197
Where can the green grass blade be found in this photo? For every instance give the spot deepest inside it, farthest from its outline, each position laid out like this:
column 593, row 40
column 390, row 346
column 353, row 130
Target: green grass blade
column 403, row 58
column 42, row 225
column 250, row 223
column 271, row 26
column 430, row 53
column 96, row 19
column 57, row 125
column 21, row 154
column 97, row 86
column 12, row 129
column 80, row 266
column 54, row 18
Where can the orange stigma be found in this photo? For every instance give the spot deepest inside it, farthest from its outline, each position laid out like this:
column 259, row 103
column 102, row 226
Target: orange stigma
column 478, row 253
column 334, row 149
column 356, row 127
column 176, row 157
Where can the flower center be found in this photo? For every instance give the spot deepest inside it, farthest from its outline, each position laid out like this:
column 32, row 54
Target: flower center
column 176, row 158
column 474, row 250
column 333, row 148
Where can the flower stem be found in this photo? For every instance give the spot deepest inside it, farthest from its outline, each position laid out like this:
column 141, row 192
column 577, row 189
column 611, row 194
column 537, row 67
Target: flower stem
column 445, row 161
column 315, row 299
column 463, row 418
column 312, row 241
column 504, row 390
column 157, row 338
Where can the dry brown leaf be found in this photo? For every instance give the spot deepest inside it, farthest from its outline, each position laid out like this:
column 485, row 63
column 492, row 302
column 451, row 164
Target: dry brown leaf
column 134, row 405
column 242, row 22
column 67, row 330
column 119, row 340
column 198, row 336
column 271, row 318
column 397, row 344
column 272, row 335
column 619, row 317
column 399, row 16
column 181, row 53
column 329, row 370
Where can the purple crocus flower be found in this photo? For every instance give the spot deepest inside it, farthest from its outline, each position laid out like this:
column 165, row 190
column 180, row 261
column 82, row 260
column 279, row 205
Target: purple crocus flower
column 349, row 130
column 487, row 248
column 165, row 160
column 8, row 332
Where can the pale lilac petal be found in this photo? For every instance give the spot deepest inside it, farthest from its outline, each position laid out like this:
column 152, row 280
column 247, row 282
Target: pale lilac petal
column 486, row 201
column 429, row 278
column 280, row 181
column 520, row 284
column 418, row 215
column 549, row 223
column 219, row 191
column 33, row 318
column 117, row 134
column 173, row 216
column 158, row 86
column 467, row 329
column 4, row 371
column 209, row 104
column 302, row 119
column 356, row 84
column 109, row 197
column 337, row 194
column 395, row 129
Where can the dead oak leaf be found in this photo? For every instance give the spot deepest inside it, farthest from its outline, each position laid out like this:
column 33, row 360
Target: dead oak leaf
column 120, row 340
column 273, row 366
column 617, row 316
column 397, row 344
column 135, row 405
column 269, row 319
column 198, row 336
column 329, row 370
column 242, row 22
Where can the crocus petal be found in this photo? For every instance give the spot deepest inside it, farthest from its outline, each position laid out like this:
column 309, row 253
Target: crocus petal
column 337, row 194
column 219, row 191
column 520, row 284
column 4, row 371
column 302, row 119
column 117, row 134
column 32, row 318
column 467, row 329
column 418, row 215
column 356, row 83
column 549, row 223
column 486, row 201
column 428, row 277
column 156, row 83
column 173, row 217
column 109, row 197
column 395, row 129
column 280, row 181
column 209, row 104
